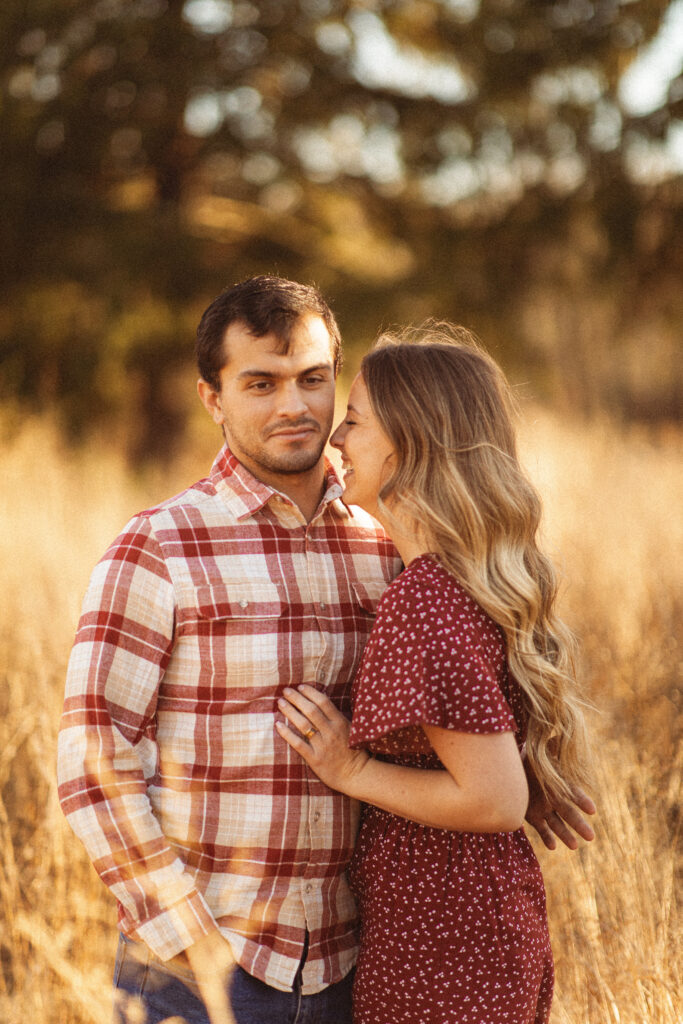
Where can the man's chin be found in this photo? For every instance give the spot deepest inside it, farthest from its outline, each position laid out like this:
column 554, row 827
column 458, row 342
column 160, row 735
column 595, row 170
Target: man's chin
column 295, row 467
column 293, row 463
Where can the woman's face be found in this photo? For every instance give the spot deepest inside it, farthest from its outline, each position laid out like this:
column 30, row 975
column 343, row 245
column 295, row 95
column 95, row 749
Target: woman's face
column 368, row 456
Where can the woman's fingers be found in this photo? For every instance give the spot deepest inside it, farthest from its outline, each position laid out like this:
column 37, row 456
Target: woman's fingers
column 303, row 705
column 314, row 706
column 563, row 833
column 295, row 741
column 311, row 702
column 322, row 741
column 307, row 709
column 583, row 801
column 566, row 818
column 297, row 718
column 314, row 717
column 321, row 700
column 546, row 835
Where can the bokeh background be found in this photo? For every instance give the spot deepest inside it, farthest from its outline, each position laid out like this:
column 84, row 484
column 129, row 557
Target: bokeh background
column 513, row 165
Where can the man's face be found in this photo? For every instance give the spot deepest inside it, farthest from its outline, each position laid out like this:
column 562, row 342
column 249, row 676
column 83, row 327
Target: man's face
column 276, row 409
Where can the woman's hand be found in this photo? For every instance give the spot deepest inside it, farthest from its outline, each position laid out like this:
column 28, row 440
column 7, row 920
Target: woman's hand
column 320, row 734
column 560, row 818
column 489, row 796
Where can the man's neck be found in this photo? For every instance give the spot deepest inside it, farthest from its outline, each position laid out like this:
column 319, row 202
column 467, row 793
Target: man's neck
column 306, row 494
column 305, row 490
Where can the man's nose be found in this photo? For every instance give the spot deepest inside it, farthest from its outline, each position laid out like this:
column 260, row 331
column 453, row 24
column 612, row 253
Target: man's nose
column 292, row 401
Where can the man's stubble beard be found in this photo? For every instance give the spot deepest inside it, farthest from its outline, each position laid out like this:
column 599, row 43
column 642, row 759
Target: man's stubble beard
column 286, row 465
column 292, row 465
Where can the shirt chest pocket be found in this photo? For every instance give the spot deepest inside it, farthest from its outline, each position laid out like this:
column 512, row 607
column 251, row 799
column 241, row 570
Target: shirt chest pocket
column 367, row 596
column 237, row 629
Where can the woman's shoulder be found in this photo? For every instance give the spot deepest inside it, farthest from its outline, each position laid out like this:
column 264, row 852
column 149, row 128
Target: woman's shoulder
column 426, row 580
column 428, row 592
column 410, row 589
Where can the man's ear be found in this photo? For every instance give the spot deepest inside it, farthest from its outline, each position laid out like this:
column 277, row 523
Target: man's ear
column 211, row 400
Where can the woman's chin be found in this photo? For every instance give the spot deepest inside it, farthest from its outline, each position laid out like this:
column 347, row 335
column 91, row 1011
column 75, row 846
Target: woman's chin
column 350, row 499
column 348, row 496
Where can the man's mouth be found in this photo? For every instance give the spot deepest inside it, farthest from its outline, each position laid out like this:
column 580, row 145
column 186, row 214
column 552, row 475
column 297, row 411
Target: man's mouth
column 295, row 433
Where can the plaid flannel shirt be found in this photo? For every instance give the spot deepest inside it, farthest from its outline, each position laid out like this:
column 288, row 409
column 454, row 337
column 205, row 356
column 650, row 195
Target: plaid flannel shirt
column 193, row 810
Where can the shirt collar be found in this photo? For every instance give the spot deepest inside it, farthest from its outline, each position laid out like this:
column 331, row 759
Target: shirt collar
column 245, row 494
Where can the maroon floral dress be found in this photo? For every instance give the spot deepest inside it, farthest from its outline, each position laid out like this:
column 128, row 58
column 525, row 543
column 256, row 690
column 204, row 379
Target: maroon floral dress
column 454, row 925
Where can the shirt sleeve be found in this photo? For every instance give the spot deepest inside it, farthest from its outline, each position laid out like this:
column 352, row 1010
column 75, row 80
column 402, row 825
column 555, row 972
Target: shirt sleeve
column 432, row 659
column 107, row 748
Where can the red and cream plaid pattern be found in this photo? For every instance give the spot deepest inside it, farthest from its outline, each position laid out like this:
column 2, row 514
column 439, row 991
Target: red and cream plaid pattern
column 193, row 810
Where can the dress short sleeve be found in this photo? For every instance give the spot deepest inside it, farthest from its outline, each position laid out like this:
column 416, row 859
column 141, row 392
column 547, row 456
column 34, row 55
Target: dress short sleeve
column 434, row 657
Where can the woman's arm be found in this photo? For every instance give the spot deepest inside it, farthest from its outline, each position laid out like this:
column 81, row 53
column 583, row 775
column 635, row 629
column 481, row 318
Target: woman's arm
column 483, row 788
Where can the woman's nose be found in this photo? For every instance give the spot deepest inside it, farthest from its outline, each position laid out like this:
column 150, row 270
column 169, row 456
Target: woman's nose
column 337, row 438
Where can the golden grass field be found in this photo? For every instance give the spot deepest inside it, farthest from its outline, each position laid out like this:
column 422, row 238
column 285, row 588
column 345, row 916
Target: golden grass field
column 613, row 520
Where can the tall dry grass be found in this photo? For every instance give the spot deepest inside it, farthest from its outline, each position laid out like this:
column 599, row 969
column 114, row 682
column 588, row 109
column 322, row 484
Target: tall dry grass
column 613, row 518
column 614, row 505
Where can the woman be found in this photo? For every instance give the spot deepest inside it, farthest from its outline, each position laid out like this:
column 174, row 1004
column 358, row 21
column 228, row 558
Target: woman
column 466, row 665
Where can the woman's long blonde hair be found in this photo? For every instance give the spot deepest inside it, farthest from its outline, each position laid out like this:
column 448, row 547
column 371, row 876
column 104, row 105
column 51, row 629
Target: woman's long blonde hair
column 447, row 410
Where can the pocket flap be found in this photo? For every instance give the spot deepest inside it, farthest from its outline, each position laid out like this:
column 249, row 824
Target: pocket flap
column 238, row 601
column 368, row 595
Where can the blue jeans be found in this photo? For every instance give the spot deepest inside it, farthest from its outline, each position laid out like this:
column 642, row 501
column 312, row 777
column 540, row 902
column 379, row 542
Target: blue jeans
column 148, row 992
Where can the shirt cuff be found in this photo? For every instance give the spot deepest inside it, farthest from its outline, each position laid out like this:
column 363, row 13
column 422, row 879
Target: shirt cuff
column 176, row 928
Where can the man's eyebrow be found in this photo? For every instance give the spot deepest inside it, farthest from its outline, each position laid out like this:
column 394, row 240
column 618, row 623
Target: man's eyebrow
column 274, row 375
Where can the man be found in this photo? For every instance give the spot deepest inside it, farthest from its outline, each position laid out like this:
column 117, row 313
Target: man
column 226, row 855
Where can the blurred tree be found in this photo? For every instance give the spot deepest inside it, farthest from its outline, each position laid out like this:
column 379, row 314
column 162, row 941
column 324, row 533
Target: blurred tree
column 469, row 158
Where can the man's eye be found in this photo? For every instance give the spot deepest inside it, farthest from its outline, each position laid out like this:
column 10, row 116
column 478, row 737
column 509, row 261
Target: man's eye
column 313, row 380
column 260, row 385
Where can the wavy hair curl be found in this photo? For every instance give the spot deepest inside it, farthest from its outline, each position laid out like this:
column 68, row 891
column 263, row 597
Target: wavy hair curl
column 447, row 409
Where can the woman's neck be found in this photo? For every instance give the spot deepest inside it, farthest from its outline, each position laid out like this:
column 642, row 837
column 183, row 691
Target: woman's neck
column 406, row 537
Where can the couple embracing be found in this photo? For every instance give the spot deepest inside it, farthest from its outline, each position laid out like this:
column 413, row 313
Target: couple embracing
column 206, row 756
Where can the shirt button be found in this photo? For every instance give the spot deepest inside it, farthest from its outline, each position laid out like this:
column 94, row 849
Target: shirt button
column 243, row 604
column 316, row 816
column 323, row 606
column 309, row 888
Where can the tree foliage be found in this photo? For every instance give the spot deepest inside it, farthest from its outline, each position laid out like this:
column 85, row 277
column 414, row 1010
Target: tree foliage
column 464, row 158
